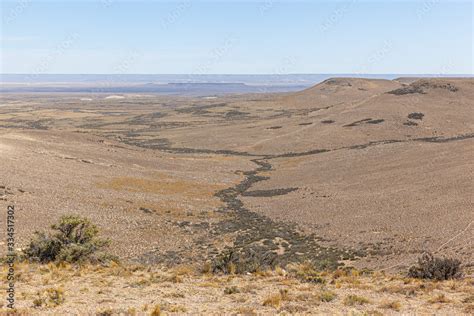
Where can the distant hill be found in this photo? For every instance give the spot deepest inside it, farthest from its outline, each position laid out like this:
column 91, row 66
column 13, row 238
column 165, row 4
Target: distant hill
column 185, row 89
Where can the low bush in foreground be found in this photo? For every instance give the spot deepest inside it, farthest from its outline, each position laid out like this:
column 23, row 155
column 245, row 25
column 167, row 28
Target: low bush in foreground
column 431, row 267
column 239, row 261
column 74, row 240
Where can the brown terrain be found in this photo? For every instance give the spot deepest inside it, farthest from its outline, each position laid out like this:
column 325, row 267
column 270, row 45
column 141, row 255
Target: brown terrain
column 349, row 173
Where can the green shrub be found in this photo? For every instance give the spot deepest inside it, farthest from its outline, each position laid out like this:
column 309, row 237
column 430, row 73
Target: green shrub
column 74, row 239
column 430, row 267
column 43, row 248
column 224, row 262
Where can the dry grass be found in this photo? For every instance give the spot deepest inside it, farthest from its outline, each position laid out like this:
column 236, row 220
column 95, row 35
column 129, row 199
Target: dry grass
column 273, row 300
column 327, row 296
column 306, row 273
column 246, row 311
column 180, row 272
column 469, row 299
column 175, row 308
column 469, row 309
column 231, row 290
column 440, row 298
column 394, row 305
column 352, row 300
column 50, row 297
column 183, row 289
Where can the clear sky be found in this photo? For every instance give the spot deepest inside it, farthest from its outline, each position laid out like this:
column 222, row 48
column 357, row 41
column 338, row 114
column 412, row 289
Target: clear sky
column 240, row 37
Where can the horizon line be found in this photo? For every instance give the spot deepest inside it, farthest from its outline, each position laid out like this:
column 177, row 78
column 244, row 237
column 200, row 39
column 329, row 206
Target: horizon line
column 240, row 74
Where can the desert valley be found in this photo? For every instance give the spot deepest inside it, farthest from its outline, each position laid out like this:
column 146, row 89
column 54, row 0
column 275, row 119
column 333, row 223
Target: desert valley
column 300, row 202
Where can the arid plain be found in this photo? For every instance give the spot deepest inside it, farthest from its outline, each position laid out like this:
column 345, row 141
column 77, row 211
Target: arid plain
column 351, row 173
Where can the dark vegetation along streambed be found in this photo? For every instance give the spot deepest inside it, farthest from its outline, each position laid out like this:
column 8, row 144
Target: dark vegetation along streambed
column 259, row 241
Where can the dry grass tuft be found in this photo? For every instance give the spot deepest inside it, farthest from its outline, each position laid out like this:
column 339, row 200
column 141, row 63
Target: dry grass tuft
column 468, row 300
column 395, row 305
column 156, row 311
column 306, row 272
column 327, row 296
column 231, row 290
column 279, row 271
column 440, row 298
column 175, row 278
column 352, row 300
column 273, row 300
column 339, row 273
column 206, row 268
column 50, row 297
column 177, row 309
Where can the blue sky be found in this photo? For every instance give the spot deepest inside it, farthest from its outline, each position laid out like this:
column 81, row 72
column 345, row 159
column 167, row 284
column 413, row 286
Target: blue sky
column 242, row 37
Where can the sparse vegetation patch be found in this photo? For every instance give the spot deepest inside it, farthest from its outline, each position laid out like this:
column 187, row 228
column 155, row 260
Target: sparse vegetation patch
column 421, row 86
column 327, row 296
column 241, row 261
column 352, row 300
column 410, row 123
column 327, row 121
column 50, row 297
column 416, row 116
column 431, row 267
column 74, row 239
